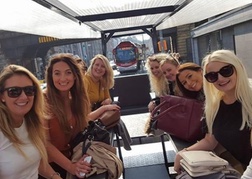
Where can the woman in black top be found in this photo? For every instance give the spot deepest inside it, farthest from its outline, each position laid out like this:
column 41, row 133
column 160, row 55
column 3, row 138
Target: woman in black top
column 228, row 107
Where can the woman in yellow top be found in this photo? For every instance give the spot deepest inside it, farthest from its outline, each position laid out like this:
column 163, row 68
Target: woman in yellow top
column 99, row 79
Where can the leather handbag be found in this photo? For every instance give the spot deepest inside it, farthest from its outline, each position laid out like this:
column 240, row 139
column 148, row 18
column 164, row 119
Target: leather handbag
column 205, row 164
column 94, row 132
column 105, row 163
column 180, row 117
column 228, row 174
column 201, row 158
column 110, row 118
column 93, row 141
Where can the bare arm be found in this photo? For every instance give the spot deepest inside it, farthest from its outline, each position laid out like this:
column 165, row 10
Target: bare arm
column 208, row 143
column 48, row 172
column 98, row 112
column 151, row 106
column 106, row 101
column 56, row 156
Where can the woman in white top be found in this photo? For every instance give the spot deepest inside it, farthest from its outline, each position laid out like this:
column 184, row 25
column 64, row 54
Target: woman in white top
column 22, row 137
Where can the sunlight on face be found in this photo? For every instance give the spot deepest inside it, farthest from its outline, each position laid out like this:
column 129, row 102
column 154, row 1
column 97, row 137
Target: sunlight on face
column 169, row 70
column 63, row 77
column 225, row 84
column 155, row 70
column 22, row 104
column 191, row 80
column 98, row 68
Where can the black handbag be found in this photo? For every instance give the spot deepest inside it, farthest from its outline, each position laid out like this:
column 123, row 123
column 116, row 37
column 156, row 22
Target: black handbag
column 96, row 106
column 94, row 132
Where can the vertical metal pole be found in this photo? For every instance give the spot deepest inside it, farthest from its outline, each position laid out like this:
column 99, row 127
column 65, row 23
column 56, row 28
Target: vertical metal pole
column 154, row 40
column 104, row 44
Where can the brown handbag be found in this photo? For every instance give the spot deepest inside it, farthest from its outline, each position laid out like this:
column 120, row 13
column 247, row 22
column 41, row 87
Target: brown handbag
column 180, row 117
column 110, row 118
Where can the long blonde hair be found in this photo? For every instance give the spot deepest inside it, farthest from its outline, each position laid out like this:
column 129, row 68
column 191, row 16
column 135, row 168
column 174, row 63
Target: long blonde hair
column 33, row 118
column 107, row 80
column 243, row 91
column 171, row 60
column 159, row 85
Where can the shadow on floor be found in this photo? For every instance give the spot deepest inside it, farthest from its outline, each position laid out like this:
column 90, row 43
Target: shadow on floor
column 146, row 159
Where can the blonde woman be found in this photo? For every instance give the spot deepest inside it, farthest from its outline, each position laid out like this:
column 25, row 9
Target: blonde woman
column 22, row 136
column 162, row 70
column 228, row 108
column 160, row 84
column 99, row 79
column 169, row 67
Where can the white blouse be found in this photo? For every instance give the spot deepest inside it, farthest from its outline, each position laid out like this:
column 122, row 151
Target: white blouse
column 13, row 165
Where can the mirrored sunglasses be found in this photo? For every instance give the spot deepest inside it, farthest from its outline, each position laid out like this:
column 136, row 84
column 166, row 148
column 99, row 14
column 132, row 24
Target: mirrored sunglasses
column 225, row 71
column 14, row 92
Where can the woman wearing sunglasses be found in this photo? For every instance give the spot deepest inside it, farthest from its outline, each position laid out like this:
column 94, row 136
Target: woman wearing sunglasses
column 67, row 106
column 228, row 108
column 22, row 137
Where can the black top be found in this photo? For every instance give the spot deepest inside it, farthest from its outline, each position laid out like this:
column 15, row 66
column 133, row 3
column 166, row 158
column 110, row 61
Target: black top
column 226, row 129
column 171, row 92
column 171, row 88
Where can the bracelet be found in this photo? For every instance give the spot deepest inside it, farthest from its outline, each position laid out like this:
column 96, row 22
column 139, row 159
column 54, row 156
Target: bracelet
column 55, row 173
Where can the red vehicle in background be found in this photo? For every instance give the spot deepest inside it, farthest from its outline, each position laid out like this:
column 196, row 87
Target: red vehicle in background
column 127, row 56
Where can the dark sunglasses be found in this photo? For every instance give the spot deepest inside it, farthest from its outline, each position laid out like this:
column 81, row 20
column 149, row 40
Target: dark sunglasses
column 14, row 92
column 225, row 71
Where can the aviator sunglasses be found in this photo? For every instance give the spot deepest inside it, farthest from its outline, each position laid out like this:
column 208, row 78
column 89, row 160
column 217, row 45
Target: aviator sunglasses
column 225, row 71
column 14, row 92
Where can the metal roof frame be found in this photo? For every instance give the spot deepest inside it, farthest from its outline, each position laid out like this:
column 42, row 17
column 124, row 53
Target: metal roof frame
column 59, row 7
column 93, row 17
column 89, row 20
column 104, row 19
column 132, row 13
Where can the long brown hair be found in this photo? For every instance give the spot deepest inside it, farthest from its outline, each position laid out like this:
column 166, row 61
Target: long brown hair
column 192, row 67
column 80, row 103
